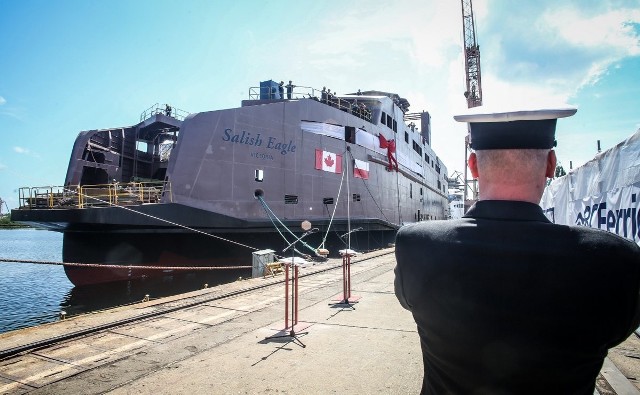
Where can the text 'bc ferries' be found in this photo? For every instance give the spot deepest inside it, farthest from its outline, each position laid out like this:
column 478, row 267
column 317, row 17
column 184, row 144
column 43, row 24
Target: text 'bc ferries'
column 208, row 189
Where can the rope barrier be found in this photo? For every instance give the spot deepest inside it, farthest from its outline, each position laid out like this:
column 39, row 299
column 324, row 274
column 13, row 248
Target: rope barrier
column 102, row 266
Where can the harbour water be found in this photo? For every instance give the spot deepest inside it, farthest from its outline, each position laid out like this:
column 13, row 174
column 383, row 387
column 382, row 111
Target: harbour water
column 33, row 294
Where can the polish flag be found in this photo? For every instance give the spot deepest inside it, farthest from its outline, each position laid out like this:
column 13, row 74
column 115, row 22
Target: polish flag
column 328, row 161
column 361, row 169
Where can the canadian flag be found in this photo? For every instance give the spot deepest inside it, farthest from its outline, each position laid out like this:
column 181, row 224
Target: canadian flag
column 328, row 161
column 361, row 169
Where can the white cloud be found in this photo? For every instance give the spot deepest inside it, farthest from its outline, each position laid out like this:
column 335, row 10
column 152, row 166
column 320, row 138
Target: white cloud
column 21, row 150
column 606, row 37
column 612, row 31
column 2, row 100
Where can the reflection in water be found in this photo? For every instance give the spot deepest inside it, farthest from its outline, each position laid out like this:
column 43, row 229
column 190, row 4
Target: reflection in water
column 107, row 295
column 32, row 294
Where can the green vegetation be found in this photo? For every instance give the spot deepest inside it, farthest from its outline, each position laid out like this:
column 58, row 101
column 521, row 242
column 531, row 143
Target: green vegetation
column 560, row 171
column 5, row 222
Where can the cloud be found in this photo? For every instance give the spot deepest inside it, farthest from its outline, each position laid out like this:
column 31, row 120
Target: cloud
column 3, row 167
column 21, row 150
column 26, row 151
column 2, row 100
column 606, row 37
column 612, row 31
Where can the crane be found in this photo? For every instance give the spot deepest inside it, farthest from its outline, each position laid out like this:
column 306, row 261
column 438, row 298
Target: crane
column 473, row 94
column 471, row 57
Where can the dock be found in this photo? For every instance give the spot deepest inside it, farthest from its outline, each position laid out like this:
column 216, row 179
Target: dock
column 232, row 339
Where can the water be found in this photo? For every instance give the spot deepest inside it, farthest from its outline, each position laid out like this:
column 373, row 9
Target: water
column 33, row 294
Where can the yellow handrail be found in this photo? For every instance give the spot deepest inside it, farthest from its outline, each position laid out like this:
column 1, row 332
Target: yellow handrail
column 82, row 196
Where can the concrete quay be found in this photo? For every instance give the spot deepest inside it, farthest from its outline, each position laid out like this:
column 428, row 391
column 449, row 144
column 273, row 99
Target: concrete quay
column 220, row 341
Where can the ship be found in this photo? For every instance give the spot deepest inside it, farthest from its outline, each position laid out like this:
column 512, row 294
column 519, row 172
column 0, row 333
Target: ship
column 208, row 189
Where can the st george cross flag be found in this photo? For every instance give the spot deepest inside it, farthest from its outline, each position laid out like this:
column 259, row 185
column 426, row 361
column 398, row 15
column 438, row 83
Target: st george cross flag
column 328, row 161
column 361, row 169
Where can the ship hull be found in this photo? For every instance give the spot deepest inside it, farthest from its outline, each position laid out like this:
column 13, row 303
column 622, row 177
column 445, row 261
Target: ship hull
column 174, row 252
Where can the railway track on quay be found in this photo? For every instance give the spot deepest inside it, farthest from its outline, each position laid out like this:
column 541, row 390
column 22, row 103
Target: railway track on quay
column 176, row 303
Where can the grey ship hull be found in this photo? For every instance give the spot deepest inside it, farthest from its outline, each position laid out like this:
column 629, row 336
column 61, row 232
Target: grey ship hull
column 221, row 162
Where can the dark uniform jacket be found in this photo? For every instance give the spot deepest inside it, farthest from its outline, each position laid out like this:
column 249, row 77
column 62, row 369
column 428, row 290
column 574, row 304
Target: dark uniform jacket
column 508, row 303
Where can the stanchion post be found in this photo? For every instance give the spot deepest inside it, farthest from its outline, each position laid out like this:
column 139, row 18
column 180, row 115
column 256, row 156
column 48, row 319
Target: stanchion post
column 294, row 291
column 286, row 295
column 348, row 276
column 347, row 298
column 296, row 295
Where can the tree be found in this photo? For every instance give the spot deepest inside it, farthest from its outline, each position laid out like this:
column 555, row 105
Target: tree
column 560, row 171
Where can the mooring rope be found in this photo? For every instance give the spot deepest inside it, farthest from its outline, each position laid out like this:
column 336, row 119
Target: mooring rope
column 166, row 221
column 270, row 212
column 267, row 210
column 140, row 267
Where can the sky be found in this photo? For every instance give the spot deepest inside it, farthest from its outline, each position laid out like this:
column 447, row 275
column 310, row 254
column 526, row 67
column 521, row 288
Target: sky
column 73, row 65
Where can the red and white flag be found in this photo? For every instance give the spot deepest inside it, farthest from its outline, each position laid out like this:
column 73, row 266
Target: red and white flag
column 361, row 169
column 328, row 161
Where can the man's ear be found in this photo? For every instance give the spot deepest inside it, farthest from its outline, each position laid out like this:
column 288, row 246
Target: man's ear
column 551, row 164
column 473, row 165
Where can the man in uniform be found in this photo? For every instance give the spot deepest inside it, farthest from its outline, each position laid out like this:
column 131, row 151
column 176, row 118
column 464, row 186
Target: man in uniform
column 289, row 87
column 505, row 301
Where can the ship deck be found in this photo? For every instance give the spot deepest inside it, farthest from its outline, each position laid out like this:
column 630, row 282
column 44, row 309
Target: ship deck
column 218, row 340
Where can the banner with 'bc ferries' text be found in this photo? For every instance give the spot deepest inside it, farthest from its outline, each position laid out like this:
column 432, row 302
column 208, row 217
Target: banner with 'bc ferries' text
column 602, row 194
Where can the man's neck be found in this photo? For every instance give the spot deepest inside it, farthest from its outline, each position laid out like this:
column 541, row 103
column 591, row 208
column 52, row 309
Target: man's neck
column 501, row 192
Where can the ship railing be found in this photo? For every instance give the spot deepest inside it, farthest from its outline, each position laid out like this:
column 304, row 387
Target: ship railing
column 164, row 109
column 101, row 195
column 43, row 197
column 273, row 93
column 307, row 92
